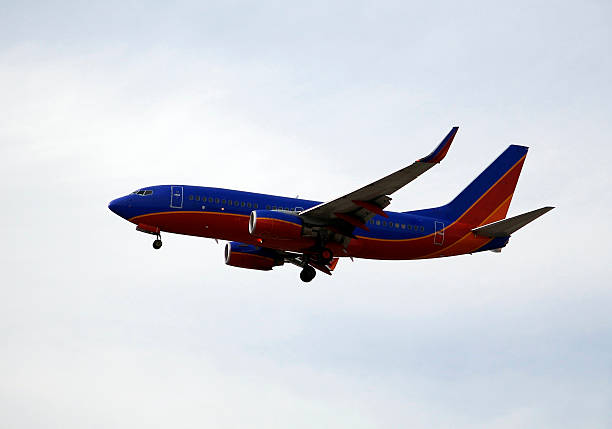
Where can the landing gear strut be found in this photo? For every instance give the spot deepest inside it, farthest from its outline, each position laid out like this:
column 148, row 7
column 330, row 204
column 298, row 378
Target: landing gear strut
column 157, row 243
column 307, row 274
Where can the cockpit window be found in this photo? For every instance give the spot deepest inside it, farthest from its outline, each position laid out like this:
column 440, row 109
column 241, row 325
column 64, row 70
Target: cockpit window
column 143, row 192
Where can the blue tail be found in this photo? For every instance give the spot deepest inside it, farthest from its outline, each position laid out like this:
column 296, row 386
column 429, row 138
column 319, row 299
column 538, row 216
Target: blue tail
column 488, row 197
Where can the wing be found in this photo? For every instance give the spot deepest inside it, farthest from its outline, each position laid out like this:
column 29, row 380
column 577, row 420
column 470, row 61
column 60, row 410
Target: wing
column 343, row 214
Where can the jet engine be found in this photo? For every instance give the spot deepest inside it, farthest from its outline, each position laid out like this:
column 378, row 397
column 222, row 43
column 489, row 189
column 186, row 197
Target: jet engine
column 275, row 224
column 251, row 257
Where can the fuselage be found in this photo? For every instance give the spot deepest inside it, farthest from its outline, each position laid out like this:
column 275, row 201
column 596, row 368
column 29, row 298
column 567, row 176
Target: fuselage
column 224, row 214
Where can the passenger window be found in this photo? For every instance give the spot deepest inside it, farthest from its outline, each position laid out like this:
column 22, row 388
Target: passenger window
column 403, row 226
column 409, row 227
column 422, row 229
column 384, row 223
column 223, row 201
column 229, row 202
column 236, row 203
column 397, row 225
column 273, row 207
column 249, row 205
column 378, row 223
column 255, row 205
column 267, row 206
column 217, row 200
column 242, row 204
column 197, row 198
column 190, row 197
column 210, row 199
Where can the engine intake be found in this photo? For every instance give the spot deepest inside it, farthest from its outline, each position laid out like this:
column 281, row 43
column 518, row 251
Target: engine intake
column 252, row 257
column 275, row 224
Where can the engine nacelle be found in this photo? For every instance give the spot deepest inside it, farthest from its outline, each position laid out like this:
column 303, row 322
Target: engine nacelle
column 251, row 257
column 275, row 224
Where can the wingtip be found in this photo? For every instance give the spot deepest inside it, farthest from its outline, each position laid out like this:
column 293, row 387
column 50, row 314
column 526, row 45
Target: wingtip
column 441, row 150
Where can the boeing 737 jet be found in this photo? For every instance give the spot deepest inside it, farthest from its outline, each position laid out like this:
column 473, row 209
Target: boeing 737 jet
column 266, row 231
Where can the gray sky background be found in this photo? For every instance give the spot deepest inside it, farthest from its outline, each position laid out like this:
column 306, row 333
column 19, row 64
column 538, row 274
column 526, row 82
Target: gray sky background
column 100, row 330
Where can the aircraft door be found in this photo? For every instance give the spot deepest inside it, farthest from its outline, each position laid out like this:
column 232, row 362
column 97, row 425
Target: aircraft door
column 176, row 197
column 439, row 234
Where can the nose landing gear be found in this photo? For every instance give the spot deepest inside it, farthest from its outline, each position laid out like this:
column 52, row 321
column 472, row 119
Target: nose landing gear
column 153, row 230
column 157, row 243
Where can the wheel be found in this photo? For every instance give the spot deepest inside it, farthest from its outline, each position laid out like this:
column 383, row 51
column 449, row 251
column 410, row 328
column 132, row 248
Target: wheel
column 326, row 256
column 307, row 274
column 157, row 244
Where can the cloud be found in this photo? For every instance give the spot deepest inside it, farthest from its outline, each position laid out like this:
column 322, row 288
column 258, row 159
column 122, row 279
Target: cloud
column 316, row 101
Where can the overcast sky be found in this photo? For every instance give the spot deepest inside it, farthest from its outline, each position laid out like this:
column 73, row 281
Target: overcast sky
column 99, row 330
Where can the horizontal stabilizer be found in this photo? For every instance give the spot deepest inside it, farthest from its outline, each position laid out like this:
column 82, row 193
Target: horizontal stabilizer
column 505, row 227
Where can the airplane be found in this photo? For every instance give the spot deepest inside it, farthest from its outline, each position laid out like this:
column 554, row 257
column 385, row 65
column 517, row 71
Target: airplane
column 266, row 231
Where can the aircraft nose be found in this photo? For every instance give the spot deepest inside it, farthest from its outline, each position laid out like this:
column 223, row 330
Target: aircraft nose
column 114, row 205
column 117, row 206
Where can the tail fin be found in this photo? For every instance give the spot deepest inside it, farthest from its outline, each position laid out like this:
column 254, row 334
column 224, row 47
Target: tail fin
column 488, row 197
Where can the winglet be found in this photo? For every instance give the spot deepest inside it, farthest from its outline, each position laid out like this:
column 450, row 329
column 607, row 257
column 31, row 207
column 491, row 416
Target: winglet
column 440, row 152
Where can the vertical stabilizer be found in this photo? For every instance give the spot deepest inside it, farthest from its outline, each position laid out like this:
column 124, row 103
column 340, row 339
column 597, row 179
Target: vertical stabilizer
column 488, row 197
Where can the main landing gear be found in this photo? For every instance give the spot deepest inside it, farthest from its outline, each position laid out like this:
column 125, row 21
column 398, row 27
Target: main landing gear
column 326, row 256
column 157, row 243
column 320, row 258
column 307, row 274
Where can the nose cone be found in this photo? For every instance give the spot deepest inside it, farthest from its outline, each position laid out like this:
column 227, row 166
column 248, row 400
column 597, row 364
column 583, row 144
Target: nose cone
column 118, row 206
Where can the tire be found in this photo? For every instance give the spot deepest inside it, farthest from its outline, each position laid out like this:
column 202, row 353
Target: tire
column 157, row 244
column 307, row 274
